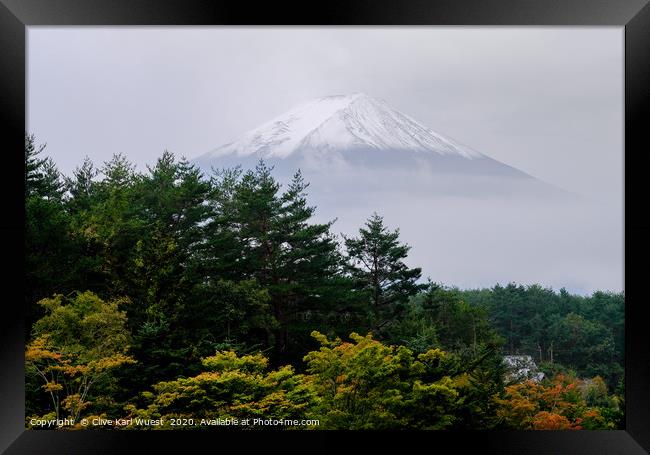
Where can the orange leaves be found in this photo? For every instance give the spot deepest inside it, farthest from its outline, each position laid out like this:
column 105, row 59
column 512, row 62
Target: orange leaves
column 37, row 350
column 52, row 386
column 550, row 421
column 558, row 405
column 521, row 403
column 71, row 370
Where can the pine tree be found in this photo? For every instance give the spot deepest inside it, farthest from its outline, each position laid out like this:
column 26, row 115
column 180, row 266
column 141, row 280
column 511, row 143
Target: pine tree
column 33, row 165
column 81, row 186
column 376, row 264
column 262, row 233
column 220, row 252
column 308, row 264
column 170, row 210
column 48, row 263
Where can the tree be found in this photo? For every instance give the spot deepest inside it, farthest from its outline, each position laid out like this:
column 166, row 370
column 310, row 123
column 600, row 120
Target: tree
column 586, row 345
column 561, row 331
column 75, row 348
column 33, row 167
column 81, row 186
column 230, row 387
column 479, row 381
column 359, row 385
column 459, row 324
column 262, row 233
column 238, row 265
column 220, row 252
column 49, row 259
column 440, row 317
column 107, row 220
column 376, row 265
column 557, row 404
column 170, row 203
column 224, row 315
column 364, row 384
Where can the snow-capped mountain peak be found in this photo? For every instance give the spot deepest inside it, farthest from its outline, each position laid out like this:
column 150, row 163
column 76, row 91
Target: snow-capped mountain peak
column 342, row 122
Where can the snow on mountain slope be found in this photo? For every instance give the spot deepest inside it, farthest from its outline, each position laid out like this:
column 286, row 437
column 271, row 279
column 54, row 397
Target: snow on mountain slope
column 341, row 122
column 359, row 144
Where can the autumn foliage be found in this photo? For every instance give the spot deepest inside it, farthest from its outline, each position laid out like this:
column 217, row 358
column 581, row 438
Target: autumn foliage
column 76, row 345
column 559, row 404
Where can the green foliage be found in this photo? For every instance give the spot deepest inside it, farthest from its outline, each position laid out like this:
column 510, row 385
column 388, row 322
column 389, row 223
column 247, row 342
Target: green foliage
column 367, row 385
column 441, row 317
column 42, row 179
column 74, row 349
column 231, row 387
column 359, row 385
column 376, row 265
column 261, row 233
column 587, row 346
column 584, row 334
column 49, row 246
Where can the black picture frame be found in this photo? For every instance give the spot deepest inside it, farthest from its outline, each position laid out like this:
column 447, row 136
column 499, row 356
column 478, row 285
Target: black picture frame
column 633, row 15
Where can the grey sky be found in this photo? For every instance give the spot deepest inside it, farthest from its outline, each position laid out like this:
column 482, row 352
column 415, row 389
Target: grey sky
column 548, row 101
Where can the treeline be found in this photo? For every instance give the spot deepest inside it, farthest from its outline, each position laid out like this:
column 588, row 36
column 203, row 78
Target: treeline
column 559, row 330
column 221, row 294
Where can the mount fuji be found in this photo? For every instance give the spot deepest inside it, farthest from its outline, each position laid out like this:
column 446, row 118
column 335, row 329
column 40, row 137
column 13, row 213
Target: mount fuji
column 361, row 142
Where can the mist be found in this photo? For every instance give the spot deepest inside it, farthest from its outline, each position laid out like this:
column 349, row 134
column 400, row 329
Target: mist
column 474, row 231
column 473, row 242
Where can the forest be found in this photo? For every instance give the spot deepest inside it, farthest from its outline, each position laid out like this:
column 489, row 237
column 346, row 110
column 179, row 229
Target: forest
column 171, row 299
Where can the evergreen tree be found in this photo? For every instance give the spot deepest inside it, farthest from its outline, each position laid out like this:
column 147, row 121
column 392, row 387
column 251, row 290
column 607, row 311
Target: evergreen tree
column 259, row 232
column 49, row 261
column 299, row 262
column 111, row 221
column 167, row 212
column 376, row 264
column 220, row 251
column 81, row 198
column 33, row 166
column 81, row 186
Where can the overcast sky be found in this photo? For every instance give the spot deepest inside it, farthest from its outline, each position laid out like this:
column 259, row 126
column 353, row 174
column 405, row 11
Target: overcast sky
column 546, row 100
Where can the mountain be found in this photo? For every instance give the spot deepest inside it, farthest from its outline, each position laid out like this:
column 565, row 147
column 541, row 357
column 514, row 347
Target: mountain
column 342, row 122
column 365, row 143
